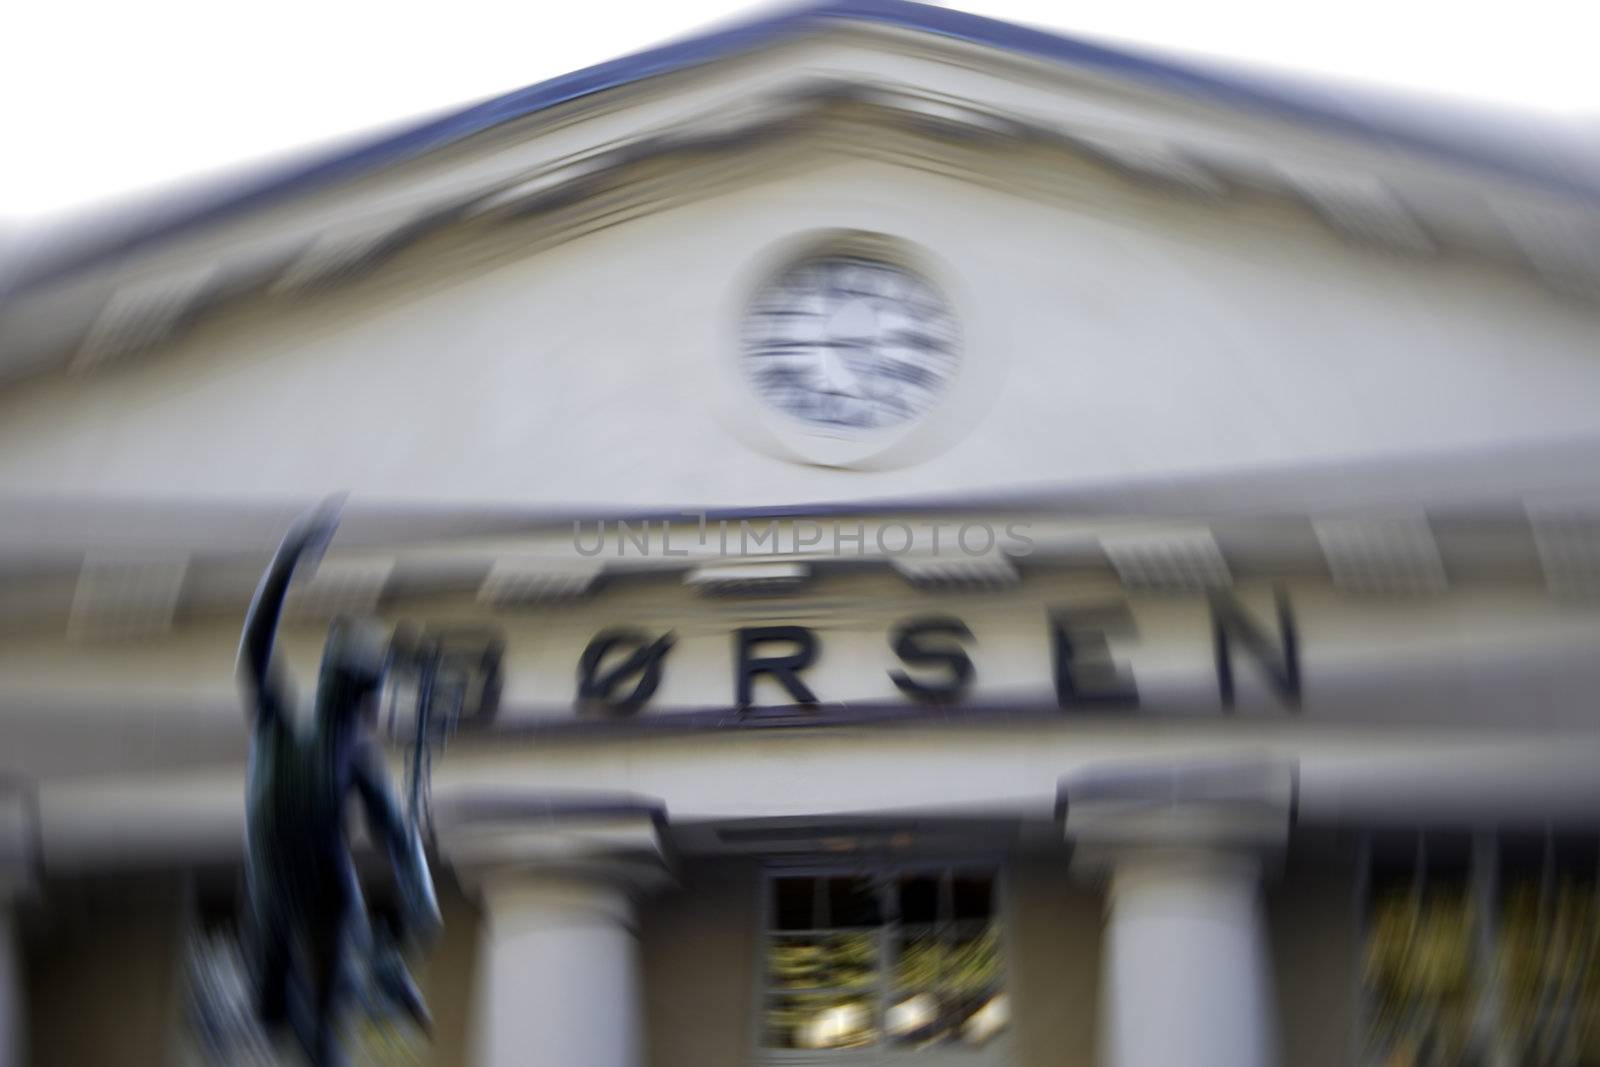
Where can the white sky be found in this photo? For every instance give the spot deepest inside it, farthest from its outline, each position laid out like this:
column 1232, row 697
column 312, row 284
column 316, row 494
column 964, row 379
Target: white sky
column 104, row 97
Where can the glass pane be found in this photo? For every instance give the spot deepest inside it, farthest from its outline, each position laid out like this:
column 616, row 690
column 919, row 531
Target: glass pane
column 926, row 1019
column 914, row 1018
column 933, row 976
column 965, row 959
column 1547, row 946
column 919, row 959
column 1419, row 975
column 812, row 961
column 972, row 966
column 970, row 897
column 794, row 903
column 1575, row 857
column 1446, row 858
column 819, row 1021
column 919, row 900
column 1393, row 855
column 852, row 902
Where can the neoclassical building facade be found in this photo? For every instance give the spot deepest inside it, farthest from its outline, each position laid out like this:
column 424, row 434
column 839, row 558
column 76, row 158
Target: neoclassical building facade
column 958, row 546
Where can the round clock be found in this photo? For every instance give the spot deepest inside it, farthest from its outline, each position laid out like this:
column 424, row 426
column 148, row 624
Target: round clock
column 847, row 344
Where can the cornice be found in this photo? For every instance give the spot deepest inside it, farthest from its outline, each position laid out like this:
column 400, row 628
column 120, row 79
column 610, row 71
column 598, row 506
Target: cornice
column 635, row 155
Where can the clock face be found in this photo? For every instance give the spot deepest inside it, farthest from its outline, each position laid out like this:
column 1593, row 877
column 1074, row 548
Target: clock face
column 849, row 344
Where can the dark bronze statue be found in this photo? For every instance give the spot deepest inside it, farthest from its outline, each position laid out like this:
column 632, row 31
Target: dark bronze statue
column 313, row 945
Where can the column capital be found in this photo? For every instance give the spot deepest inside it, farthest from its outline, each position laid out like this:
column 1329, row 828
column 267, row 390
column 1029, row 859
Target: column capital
column 558, row 957
column 492, row 838
column 1179, row 810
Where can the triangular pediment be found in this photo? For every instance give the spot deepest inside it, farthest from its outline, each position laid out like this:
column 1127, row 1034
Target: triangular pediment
column 1154, row 270
column 987, row 101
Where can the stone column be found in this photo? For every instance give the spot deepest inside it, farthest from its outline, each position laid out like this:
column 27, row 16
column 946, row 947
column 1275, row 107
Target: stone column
column 558, row 971
column 1182, row 848
column 558, row 968
column 1187, row 979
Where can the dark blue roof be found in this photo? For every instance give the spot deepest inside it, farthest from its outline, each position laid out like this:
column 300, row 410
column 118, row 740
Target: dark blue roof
column 1513, row 152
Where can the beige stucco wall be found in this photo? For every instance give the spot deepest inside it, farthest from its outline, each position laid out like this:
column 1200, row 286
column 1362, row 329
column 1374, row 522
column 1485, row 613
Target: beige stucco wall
column 105, row 974
column 701, row 954
column 447, row 975
column 1108, row 336
column 1054, row 941
column 1312, row 918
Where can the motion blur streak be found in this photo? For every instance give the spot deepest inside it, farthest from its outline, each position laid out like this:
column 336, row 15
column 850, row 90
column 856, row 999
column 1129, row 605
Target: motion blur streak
column 870, row 535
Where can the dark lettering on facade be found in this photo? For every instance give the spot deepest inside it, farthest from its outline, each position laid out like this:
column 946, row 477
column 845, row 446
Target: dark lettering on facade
column 621, row 669
column 599, row 685
column 1280, row 664
column 913, row 641
column 783, row 669
column 1085, row 675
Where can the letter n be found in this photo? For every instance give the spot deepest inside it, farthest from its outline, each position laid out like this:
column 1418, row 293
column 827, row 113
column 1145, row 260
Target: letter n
column 1279, row 662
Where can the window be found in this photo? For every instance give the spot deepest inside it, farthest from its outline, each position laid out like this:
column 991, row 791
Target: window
column 1547, row 951
column 1483, row 950
column 905, row 960
column 1422, row 931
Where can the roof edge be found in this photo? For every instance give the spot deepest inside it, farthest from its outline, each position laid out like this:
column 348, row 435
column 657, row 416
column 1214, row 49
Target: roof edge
column 276, row 184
